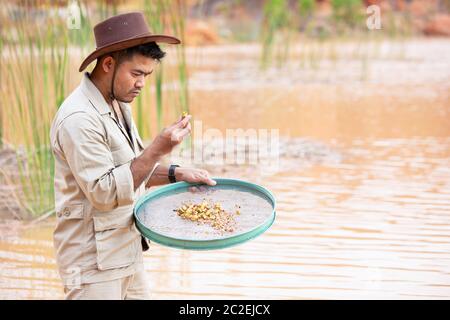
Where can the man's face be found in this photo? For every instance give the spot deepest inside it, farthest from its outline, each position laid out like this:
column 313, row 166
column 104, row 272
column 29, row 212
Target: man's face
column 131, row 75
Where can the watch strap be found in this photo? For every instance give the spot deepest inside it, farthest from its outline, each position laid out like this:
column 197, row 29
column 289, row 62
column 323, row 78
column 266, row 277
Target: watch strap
column 172, row 173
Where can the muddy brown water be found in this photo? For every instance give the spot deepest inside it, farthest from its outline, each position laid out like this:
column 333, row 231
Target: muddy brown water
column 363, row 190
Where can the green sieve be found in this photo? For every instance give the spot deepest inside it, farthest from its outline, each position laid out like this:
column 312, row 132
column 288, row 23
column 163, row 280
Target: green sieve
column 150, row 202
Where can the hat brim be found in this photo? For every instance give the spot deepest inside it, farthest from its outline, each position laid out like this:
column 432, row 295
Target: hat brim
column 127, row 43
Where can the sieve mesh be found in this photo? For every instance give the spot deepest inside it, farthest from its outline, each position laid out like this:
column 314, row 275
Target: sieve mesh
column 159, row 215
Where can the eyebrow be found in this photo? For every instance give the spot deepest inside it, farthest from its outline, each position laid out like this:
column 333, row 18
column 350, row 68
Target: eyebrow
column 142, row 72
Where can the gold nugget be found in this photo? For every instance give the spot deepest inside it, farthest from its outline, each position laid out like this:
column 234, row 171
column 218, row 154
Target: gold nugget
column 212, row 214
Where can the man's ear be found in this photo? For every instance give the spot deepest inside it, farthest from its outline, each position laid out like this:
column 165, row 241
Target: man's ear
column 107, row 64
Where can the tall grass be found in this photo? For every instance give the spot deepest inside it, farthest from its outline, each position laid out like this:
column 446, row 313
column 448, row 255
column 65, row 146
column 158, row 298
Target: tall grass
column 276, row 19
column 35, row 69
column 155, row 11
column 34, row 72
column 282, row 25
column 105, row 9
column 347, row 12
column 82, row 36
column 178, row 26
column 1, row 81
column 305, row 11
column 168, row 16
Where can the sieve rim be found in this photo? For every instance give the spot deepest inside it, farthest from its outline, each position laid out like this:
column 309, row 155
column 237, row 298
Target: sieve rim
column 209, row 244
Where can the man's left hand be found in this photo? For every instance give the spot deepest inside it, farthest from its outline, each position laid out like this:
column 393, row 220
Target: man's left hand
column 193, row 175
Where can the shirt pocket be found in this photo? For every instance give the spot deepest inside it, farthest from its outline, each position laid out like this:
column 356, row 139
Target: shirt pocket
column 116, row 239
column 71, row 212
column 70, row 235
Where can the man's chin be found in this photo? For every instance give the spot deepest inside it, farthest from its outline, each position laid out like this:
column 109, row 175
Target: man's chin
column 126, row 100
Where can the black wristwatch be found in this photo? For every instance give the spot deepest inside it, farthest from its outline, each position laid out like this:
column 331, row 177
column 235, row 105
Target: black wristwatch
column 172, row 173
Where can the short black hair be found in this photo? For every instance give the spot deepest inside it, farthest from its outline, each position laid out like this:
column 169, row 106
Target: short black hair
column 150, row 50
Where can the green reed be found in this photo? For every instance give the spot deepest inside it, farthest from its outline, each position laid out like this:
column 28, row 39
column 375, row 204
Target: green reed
column 1, row 81
column 34, row 74
column 285, row 23
column 306, row 9
column 168, row 16
column 82, row 36
column 34, row 68
column 348, row 13
column 179, row 14
column 276, row 19
column 154, row 11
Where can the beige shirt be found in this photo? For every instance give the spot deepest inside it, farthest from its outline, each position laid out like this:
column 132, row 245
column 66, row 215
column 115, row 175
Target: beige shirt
column 95, row 236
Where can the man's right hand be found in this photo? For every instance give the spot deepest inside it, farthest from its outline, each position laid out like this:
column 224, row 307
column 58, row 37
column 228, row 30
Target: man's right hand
column 170, row 137
column 162, row 145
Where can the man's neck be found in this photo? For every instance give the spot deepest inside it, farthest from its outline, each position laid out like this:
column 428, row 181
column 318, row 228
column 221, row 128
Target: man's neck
column 102, row 86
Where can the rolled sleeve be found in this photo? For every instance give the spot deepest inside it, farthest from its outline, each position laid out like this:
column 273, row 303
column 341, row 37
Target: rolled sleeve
column 84, row 143
column 124, row 184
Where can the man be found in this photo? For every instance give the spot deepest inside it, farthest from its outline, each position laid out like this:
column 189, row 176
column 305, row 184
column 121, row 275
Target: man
column 102, row 167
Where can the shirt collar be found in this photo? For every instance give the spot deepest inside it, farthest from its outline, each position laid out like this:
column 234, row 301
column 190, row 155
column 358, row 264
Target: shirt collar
column 94, row 95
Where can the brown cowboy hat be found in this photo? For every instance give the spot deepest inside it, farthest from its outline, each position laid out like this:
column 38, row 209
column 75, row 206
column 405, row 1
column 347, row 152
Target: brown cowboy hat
column 121, row 32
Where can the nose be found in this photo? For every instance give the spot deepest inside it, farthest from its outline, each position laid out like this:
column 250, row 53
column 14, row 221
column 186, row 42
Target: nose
column 139, row 84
